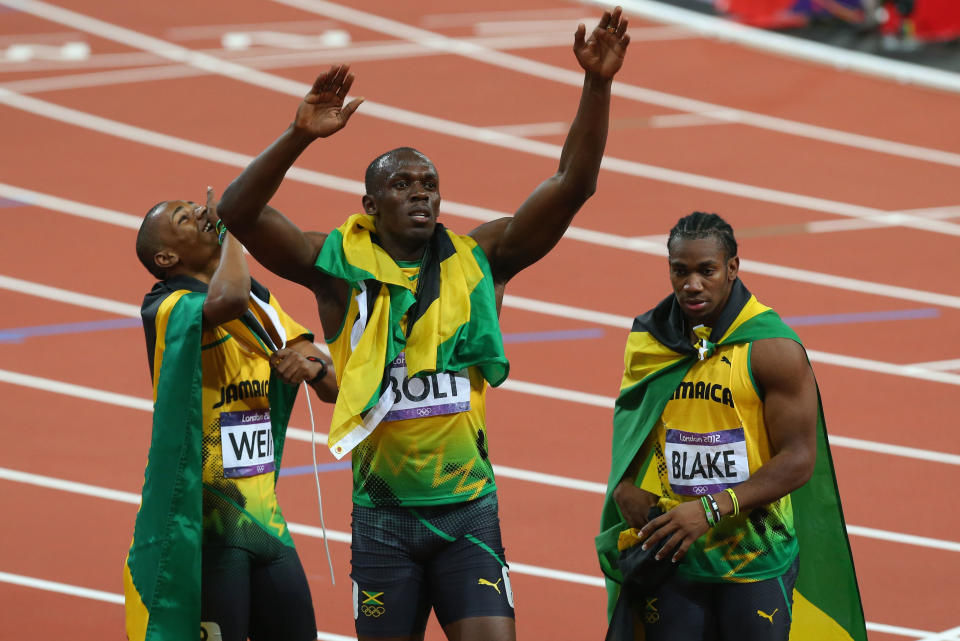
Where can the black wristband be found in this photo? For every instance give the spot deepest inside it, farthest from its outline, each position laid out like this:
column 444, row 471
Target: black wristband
column 321, row 373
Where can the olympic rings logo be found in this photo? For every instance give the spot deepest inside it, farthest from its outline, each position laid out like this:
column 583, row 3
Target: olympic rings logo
column 424, row 411
column 373, row 610
column 700, row 490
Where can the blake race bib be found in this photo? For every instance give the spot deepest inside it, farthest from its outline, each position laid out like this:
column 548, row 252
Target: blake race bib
column 246, row 442
column 705, row 463
column 430, row 395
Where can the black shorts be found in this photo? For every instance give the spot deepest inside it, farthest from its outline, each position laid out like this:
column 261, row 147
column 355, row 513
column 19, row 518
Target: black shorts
column 407, row 560
column 700, row 611
column 264, row 598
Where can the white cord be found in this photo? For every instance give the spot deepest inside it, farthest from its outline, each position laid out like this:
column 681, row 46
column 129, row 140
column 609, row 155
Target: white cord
column 316, row 476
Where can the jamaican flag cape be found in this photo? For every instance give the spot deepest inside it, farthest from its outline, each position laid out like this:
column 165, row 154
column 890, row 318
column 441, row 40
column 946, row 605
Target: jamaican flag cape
column 658, row 354
column 444, row 322
column 162, row 569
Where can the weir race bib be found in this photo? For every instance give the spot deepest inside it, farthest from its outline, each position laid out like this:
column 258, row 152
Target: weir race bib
column 705, row 463
column 422, row 396
column 246, row 442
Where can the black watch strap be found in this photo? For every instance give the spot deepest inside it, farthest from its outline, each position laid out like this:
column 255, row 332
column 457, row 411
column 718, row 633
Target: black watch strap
column 321, row 373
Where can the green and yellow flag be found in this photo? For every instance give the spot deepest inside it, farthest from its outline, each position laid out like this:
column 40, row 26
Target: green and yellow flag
column 161, row 574
column 658, row 355
column 444, row 321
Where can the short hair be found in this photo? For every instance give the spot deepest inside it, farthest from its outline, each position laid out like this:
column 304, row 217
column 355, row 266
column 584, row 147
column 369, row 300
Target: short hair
column 148, row 244
column 702, row 225
column 373, row 178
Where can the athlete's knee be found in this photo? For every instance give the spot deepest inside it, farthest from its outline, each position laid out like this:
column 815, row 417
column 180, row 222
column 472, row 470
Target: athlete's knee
column 482, row 629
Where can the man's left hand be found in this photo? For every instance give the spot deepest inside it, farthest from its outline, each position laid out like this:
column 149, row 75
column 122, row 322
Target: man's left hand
column 292, row 367
column 602, row 53
column 680, row 526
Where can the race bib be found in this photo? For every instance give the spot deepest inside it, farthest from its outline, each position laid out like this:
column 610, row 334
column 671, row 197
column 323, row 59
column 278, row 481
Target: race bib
column 431, row 395
column 246, row 442
column 699, row 464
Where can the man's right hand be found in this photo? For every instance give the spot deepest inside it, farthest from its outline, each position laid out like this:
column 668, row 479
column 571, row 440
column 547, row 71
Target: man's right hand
column 634, row 503
column 322, row 112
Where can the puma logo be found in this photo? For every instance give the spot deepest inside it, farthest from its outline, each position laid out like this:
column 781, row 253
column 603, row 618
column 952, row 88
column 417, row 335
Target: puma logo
column 495, row 586
column 768, row 617
column 724, row 359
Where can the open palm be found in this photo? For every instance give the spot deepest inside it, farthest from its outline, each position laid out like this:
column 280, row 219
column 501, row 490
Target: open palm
column 602, row 53
column 322, row 111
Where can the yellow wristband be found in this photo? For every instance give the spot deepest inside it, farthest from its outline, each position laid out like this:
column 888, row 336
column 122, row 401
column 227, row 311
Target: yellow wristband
column 736, row 503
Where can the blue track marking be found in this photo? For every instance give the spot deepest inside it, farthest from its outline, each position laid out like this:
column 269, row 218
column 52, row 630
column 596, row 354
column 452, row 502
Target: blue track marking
column 9, row 202
column 558, row 335
column 862, row 317
column 308, row 469
column 18, row 334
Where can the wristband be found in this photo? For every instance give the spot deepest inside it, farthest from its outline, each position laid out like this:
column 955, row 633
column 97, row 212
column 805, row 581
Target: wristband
column 714, row 507
column 711, row 521
column 221, row 232
column 736, row 503
column 321, row 373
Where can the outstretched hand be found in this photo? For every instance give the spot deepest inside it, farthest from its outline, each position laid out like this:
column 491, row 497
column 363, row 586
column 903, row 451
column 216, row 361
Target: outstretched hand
column 602, row 53
column 322, row 112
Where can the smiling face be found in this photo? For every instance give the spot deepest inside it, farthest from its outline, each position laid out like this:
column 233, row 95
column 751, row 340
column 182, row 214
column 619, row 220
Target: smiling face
column 404, row 196
column 185, row 235
column 702, row 276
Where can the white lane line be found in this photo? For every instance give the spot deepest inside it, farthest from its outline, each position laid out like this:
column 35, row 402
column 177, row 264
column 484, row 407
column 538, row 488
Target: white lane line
column 640, row 245
column 543, row 391
column 441, row 125
column 947, row 365
column 519, row 64
column 99, row 595
column 60, row 588
column 96, row 491
column 836, row 57
column 527, row 304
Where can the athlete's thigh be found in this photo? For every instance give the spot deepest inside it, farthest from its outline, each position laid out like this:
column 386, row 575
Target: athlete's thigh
column 225, row 593
column 468, row 577
column 679, row 609
column 758, row 611
column 280, row 603
column 389, row 594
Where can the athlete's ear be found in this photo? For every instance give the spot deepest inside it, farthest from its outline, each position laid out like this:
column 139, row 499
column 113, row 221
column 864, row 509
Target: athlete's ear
column 369, row 205
column 733, row 268
column 165, row 259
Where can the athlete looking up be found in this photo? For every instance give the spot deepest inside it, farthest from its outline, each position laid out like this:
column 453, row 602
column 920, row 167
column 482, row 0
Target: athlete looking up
column 717, row 423
column 211, row 548
column 410, row 312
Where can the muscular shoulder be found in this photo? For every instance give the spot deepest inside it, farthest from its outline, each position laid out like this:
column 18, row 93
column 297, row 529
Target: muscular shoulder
column 779, row 363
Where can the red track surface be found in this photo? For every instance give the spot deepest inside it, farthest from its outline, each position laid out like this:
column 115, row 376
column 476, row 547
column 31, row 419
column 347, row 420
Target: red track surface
column 80, row 540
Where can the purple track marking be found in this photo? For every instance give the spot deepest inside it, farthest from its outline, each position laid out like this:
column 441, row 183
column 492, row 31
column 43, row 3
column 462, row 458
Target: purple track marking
column 18, row 334
column 558, row 335
column 308, row 469
column 862, row 317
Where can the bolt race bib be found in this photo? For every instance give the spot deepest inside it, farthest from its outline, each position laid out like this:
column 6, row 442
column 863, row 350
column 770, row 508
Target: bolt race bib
column 431, row 395
column 699, row 464
column 246, row 442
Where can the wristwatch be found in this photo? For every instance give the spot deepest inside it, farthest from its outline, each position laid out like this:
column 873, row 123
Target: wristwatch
column 321, row 373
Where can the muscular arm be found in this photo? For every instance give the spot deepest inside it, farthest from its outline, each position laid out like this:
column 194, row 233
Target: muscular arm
column 783, row 373
column 512, row 244
column 293, row 366
column 229, row 287
column 634, row 502
column 273, row 239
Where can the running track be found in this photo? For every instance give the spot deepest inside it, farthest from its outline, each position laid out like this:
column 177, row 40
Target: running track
column 841, row 187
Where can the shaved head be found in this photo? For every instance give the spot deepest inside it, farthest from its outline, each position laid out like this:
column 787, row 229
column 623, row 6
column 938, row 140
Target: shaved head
column 385, row 164
column 149, row 241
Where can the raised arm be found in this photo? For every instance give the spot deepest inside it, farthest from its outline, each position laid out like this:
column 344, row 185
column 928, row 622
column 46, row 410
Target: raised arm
column 273, row 239
column 229, row 288
column 511, row 244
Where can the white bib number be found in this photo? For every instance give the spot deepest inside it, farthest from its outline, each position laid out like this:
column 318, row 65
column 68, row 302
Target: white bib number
column 431, row 395
column 246, row 442
column 705, row 463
